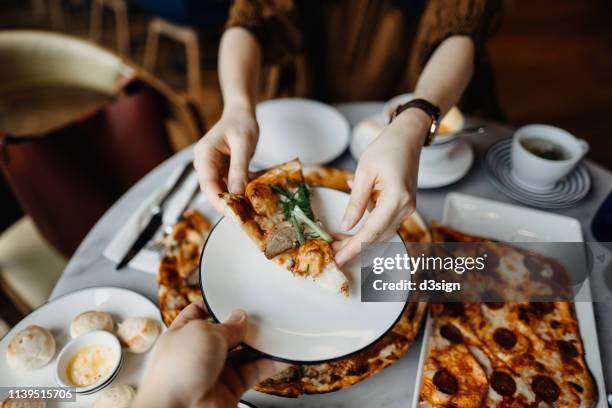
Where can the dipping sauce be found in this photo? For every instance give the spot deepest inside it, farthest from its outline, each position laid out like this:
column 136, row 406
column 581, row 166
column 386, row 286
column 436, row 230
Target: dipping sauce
column 90, row 365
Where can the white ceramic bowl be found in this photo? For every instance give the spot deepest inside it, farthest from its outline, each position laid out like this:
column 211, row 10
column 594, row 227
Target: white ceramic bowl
column 88, row 339
column 451, row 123
column 365, row 133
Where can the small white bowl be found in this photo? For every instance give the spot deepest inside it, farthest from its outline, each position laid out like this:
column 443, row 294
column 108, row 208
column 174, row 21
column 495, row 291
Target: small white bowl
column 452, row 122
column 98, row 337
column 364, row 133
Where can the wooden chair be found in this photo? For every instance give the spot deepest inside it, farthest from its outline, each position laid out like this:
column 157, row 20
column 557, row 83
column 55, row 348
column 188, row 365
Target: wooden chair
column 52, row 8
column 29, row 269
column 188, row 37
column 122, row 30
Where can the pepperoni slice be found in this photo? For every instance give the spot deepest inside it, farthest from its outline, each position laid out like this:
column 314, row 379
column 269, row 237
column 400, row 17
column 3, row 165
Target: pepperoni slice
column 541, row 308
column 545, row 388
column 494, row 305
column 505, row 338
column 491, row 260
column 523, row 314
column 533, row 264
column 451, row 333
column 454, row 309
column 567, row 349
column 503, row 383
column 491, row 299
column 445, row 381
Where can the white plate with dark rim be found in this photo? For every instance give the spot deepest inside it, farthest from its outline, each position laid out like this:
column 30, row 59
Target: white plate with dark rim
column 295, row 127
column 291, row 319
column 57, row 314
column 512, row 223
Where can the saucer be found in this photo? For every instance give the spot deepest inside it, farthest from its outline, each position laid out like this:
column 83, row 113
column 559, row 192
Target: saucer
column 449, row 170
column 567, row 192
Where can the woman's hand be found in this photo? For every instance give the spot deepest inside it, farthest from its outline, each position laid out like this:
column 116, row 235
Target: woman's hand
column 191, row 365
column 225, row 151
column 387, row 172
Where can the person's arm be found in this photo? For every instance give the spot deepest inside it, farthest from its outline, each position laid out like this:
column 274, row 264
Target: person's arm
column 447, row 72
column 257, row 32
column 235, row 135
column 389, row 166
column 239, row 66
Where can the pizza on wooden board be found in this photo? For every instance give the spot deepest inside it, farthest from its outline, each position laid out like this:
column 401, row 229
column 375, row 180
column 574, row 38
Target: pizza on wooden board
column 505, row 354
column 178, row 286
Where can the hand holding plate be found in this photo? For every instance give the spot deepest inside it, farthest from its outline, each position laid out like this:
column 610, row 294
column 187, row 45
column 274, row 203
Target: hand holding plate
column 192, row 364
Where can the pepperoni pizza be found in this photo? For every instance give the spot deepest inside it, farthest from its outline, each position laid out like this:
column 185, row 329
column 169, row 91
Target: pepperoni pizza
column 505, row 354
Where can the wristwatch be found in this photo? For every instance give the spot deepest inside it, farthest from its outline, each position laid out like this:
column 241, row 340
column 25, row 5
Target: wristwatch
column 429, row 108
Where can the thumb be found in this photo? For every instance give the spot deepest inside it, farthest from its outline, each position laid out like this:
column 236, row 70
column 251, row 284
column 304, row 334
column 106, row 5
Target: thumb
column 233, row 330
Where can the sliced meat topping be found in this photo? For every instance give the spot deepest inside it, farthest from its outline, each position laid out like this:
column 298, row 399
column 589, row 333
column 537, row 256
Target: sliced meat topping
column 279, row 240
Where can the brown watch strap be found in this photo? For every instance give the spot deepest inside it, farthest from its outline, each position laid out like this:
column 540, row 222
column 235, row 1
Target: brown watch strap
column 429, row 108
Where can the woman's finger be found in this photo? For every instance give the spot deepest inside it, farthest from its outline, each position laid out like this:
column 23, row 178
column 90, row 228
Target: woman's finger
column 206, row 165
column 376, row 223
column 360, row 195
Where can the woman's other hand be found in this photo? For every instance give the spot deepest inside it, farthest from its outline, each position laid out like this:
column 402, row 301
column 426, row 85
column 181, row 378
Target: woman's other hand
column 386, row 173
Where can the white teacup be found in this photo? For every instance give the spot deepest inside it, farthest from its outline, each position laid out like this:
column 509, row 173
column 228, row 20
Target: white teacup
column 437, row 152
column 540, row 174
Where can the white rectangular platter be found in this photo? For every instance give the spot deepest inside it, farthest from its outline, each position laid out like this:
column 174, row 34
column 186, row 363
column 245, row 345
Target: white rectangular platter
column 511, row 223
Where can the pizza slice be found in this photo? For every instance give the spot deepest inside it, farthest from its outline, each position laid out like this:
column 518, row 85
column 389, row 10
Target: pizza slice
column 276, row 214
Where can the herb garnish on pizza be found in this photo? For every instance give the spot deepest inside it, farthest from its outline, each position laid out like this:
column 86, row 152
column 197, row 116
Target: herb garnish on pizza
column 276, row 214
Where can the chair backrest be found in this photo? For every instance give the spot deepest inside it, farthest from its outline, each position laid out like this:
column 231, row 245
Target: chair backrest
column 66, row 176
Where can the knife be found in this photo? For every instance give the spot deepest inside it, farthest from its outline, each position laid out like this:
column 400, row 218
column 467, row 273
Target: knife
column 157, row 212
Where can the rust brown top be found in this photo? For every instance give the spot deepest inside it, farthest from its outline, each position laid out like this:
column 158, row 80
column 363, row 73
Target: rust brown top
column 359, row 49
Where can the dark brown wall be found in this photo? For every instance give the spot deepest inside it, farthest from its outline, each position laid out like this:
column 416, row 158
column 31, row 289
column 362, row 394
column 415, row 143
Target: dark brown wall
column 553, row 64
